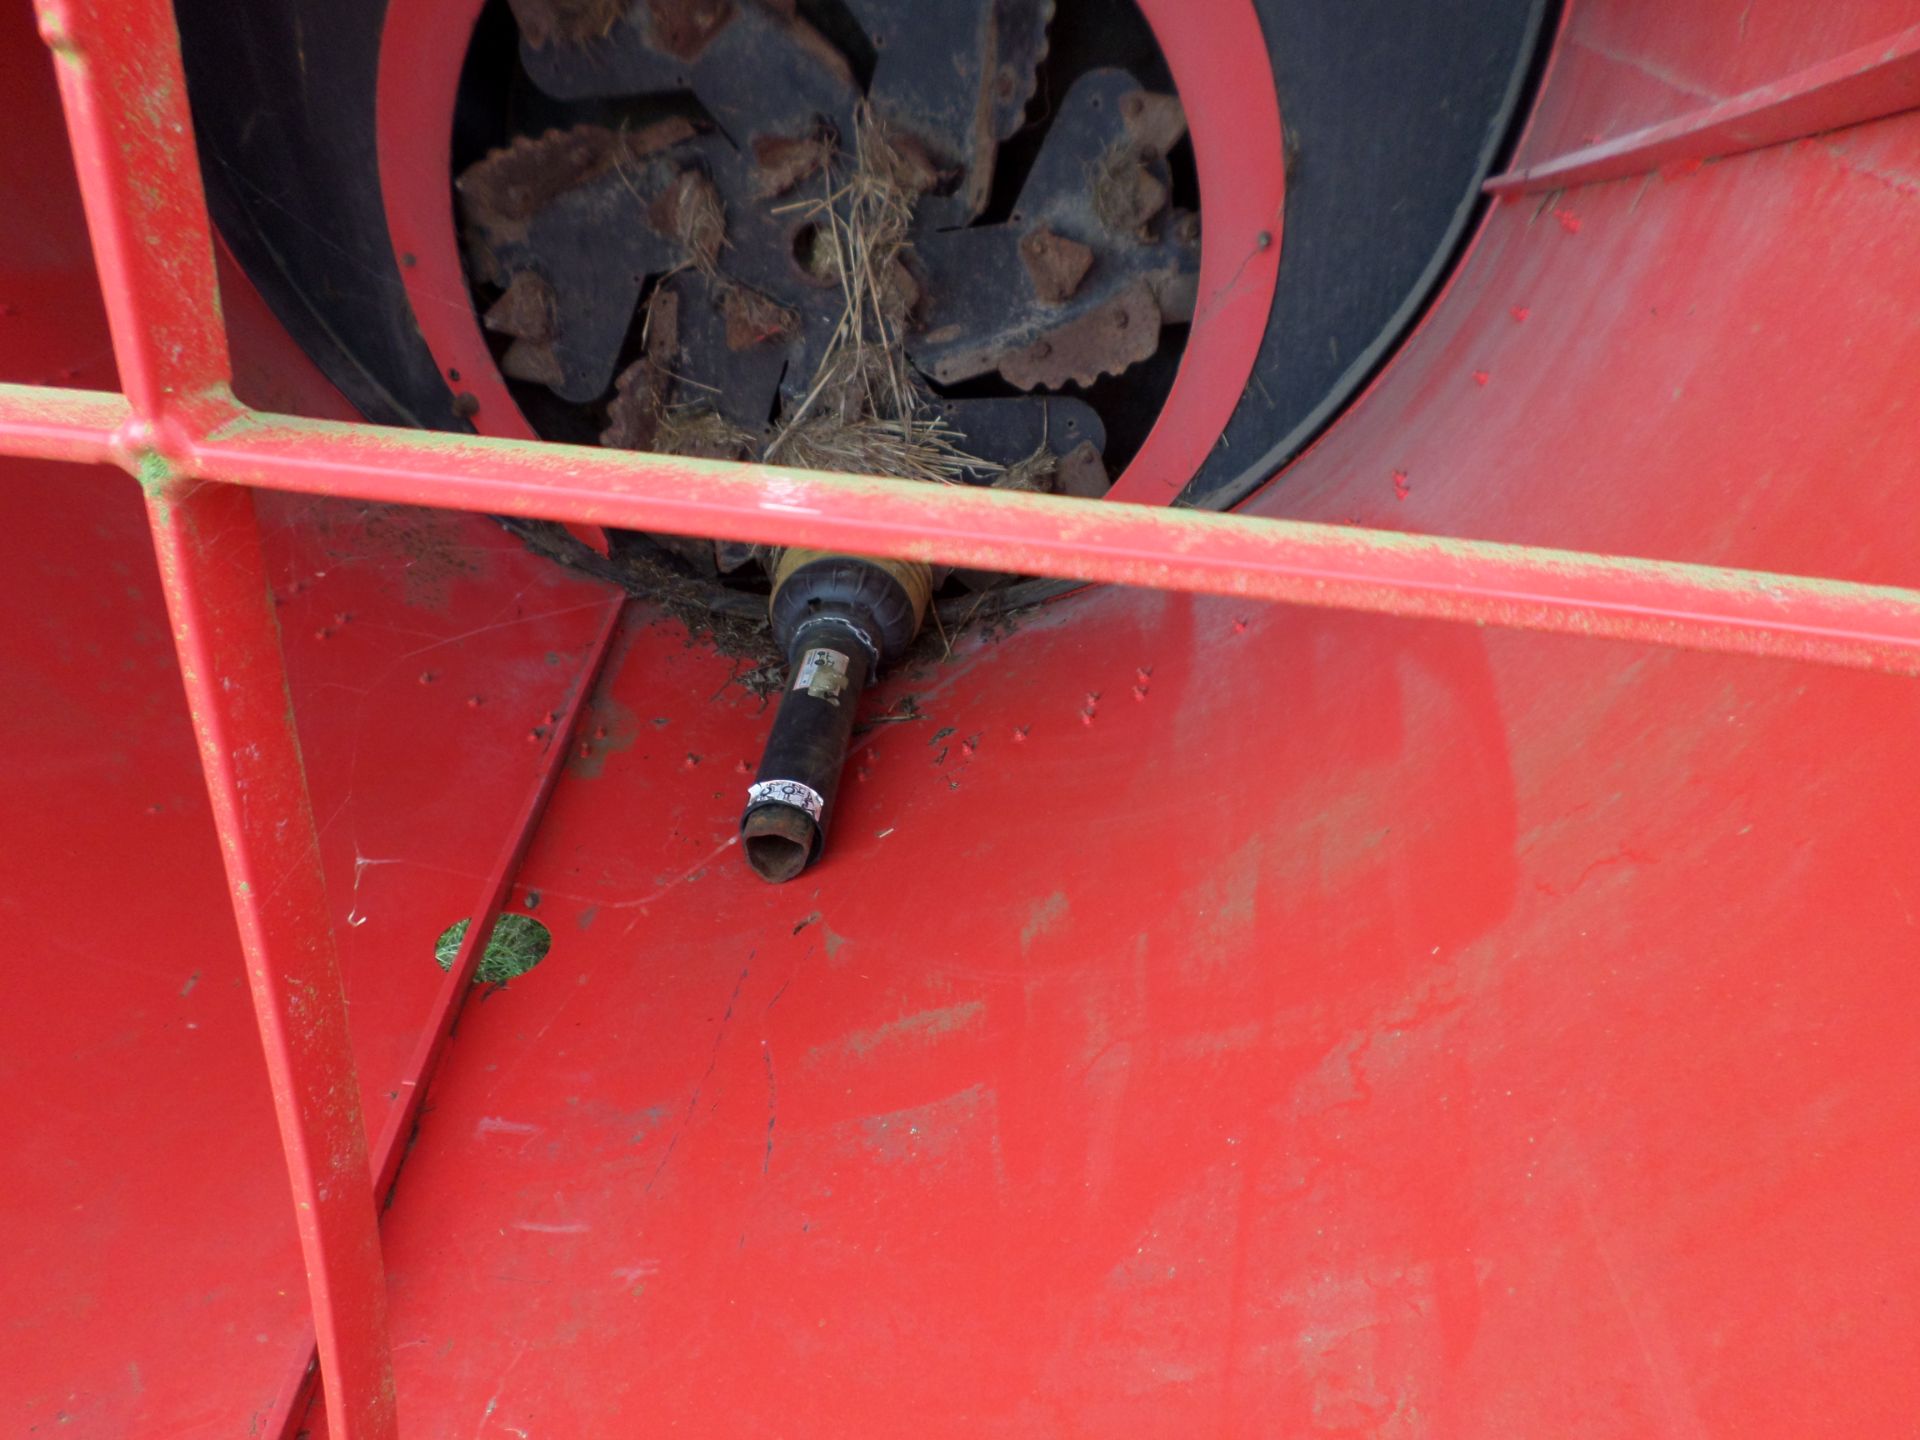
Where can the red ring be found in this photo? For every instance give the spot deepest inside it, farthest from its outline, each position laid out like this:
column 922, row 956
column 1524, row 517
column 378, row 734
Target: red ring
column 1219, row 62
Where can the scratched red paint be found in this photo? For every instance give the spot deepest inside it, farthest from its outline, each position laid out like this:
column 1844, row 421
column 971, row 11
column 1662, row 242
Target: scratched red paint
column 1458, row 1056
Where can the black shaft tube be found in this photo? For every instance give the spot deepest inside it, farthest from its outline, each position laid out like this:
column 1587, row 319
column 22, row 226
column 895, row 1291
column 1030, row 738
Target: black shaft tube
column 791, row 802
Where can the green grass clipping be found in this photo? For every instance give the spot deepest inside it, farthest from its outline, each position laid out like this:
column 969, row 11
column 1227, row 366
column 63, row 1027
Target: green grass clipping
column 518, row 943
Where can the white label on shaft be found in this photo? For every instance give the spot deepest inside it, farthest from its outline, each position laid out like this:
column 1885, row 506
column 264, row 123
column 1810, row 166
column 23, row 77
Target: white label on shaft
column 786, row 792
column 822, row 674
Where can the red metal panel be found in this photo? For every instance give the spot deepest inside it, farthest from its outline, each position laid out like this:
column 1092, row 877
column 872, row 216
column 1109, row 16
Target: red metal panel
column 149, row 1244
column 1624, row 65
column 1511, row 1039
column 1667, row 367
column 1865, row 84
column 557, row 746
column 152, row 1267
column 1511, row 800
column 152, row 1270
column 401, row 1093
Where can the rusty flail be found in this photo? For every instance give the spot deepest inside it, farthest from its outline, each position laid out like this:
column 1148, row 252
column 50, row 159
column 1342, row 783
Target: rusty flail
column 809, row 271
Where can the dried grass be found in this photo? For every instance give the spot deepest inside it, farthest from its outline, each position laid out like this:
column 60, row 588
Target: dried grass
column 916, row 449
column 864, row 411
column 698, row 431
column 1033, row 474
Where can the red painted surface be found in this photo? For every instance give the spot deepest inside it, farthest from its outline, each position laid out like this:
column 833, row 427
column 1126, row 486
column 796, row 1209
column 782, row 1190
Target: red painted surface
column 124, row 96
column 421, row 51
column 422, row 48
column 152, row 1270
column 1246, row 1019
column 1622, row 65
column 1866, row 84
column 132, row 138
column 1510, row 1039
column 150, row 1239
column 1220, row 67
column 1510, row 1042
column 226, row 635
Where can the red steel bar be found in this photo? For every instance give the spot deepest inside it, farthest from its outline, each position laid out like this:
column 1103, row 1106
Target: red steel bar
column 125, row 97
column 1524, row 587
column 1698, row 607
column 124, row 93
column 215, row 579
column 78, row 425
column 1865, row 84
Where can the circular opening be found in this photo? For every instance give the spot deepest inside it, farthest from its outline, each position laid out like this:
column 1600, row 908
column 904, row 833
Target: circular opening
column 518, row 943
column 813, row 255
column 775, row 858
column 779, row 841
column 990, row 263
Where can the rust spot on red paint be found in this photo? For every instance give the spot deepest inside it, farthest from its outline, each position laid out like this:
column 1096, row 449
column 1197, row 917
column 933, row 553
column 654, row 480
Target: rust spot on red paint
column 1240, row 627
column 1020, row 734
column 1401, row 489
column 427, row 677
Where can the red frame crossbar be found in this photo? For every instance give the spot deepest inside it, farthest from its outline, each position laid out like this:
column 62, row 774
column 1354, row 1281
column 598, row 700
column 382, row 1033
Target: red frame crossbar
column 198, row 453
